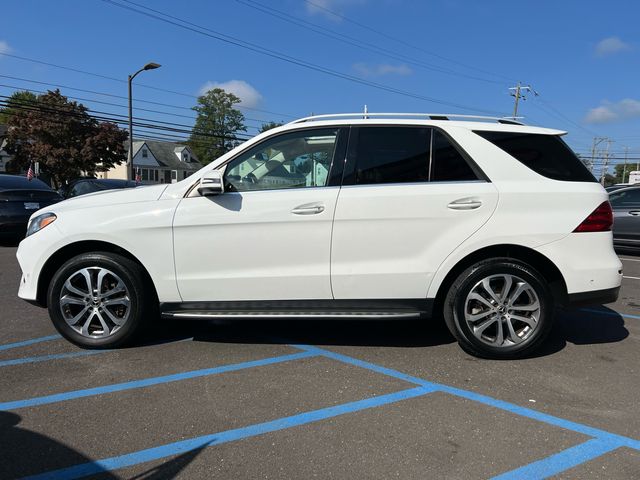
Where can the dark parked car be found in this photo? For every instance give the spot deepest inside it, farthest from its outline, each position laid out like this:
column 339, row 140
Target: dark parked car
column 626, row 213
column 19, row 198
column 82, row 186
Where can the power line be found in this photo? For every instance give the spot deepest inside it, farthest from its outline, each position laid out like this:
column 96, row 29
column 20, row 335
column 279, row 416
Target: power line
column 355, row 41
column 101, row 118
column 138, row 84
column 108, row 95
column 186, row 25
column 403, row 42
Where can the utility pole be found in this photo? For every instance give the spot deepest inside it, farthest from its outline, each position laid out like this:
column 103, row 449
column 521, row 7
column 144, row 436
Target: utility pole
column 596, row 141
column 518, row 93
column 605, row 167
column 624, row 170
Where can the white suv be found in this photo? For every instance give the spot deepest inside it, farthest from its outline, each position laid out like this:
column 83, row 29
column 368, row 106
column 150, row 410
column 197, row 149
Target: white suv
column 487, row 222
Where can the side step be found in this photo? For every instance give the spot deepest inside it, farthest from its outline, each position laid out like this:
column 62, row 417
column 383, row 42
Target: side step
column 203, row 314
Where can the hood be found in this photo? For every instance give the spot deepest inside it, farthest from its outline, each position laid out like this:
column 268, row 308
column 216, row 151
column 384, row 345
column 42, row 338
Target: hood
column 107, row 197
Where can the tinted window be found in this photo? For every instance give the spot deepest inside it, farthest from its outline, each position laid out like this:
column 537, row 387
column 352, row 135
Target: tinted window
column 625, row 198
column 293, row 160
column 547, row 155
column 447, row 163
column 392, row 155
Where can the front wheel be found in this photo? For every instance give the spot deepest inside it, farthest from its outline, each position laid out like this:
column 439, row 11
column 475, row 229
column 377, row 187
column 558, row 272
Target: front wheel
column 499, row 308
column 99, row 300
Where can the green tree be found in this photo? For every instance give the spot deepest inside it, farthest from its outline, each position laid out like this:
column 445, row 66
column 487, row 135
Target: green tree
column 64, row 139
column 216, row 126
column 269, row 126
column 19, row 101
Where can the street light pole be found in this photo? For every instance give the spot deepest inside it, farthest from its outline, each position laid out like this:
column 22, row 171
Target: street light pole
column 148, row 66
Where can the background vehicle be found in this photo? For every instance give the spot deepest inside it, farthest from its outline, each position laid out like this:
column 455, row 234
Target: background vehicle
column 626, row 210
column 487, row 223
column 19, row 198
column 82, row 186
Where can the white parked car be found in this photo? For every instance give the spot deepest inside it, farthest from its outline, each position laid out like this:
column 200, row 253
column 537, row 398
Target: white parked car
column 487, row 222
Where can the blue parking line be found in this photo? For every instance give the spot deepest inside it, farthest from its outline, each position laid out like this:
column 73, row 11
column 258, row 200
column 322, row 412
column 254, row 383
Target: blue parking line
column 29, row 342
column 45, row 358
column 612, row 313
column 156, row 453
column 559, row 462
column 147, row 382
column 492, row 402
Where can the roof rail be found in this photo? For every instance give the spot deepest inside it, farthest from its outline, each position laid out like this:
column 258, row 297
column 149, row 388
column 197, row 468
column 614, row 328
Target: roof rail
column 426, row 116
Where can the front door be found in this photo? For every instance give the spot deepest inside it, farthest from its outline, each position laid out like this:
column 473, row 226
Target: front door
column 409, row 198
column 268, row 237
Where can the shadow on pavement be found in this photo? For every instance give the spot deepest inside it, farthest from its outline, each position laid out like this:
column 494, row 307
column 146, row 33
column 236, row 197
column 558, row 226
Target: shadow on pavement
column 25, row 452
column 577, row 327
column 580, row 327
column 383, row 333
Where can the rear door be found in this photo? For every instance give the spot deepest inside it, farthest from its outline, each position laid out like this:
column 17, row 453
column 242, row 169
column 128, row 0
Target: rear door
column 409, row 198
column 626, row 212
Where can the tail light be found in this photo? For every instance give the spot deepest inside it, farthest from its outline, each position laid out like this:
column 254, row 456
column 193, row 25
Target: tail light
column 600, row 220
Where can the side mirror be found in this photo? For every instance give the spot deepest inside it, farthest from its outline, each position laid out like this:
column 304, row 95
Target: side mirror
column 211, row 184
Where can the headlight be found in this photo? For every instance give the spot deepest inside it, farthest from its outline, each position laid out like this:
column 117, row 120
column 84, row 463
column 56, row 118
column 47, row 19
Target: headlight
column 38, row 223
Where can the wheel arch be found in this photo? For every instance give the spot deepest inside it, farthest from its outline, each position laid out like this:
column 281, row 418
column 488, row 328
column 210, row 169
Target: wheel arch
column 535, row 259
column 71, row 250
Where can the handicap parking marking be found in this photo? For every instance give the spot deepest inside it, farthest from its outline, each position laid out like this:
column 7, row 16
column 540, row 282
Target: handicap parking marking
column 46, row 358
column 561, row 461
column 147, row 382
column 175, row 448
column 602, row 442
column 26, row 343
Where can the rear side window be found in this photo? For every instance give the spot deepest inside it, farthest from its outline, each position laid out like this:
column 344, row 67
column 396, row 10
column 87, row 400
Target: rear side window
column 447, row 163
column 392, row 155
column 547, row 155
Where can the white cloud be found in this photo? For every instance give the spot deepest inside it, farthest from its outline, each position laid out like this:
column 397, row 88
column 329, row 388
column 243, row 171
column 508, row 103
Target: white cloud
column 609, row 112
column 249, row 96
column 382, row 69
column 326, row 7
column 610, row 46
column 4, row 47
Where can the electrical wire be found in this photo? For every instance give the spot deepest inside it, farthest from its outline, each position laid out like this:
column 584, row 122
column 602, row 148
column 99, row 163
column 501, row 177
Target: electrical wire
column 186, row 25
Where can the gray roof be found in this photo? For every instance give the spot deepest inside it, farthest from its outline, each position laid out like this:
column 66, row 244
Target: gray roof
column 165, row 154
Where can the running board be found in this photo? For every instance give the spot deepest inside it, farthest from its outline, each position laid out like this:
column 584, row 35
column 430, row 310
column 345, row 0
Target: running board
column 283, row 315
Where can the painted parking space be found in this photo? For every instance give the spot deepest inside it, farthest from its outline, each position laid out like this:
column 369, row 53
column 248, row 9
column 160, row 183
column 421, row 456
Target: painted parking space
column 327, row 399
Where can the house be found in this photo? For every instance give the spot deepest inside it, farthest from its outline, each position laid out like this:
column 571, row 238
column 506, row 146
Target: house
column 4, row 156
column 157, row 162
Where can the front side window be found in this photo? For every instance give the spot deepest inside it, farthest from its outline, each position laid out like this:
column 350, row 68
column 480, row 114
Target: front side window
column 293, row 160
column 392, row 155
column 625, row 199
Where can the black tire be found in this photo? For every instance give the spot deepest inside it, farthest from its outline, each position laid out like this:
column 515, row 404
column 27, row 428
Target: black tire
column 454, row 308
column 141, row 296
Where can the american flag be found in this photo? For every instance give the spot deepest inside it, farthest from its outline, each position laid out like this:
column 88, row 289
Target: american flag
column 30, row 173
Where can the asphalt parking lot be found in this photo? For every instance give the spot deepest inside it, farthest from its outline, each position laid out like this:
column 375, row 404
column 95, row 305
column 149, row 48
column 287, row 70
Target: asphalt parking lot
column 316, row 399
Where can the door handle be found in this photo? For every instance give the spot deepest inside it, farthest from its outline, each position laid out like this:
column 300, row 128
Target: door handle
column 465, row 204
column 308, row 209
column 635, row 213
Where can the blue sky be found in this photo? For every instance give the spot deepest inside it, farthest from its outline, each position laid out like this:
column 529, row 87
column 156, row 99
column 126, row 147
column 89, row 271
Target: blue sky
column 582, row 57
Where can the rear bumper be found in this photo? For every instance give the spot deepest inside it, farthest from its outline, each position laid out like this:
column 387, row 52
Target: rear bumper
column 587, row 262
column 595, row 297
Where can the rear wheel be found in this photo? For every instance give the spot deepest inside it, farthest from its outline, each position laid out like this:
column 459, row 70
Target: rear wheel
column 499, row 308
column 99, row 300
